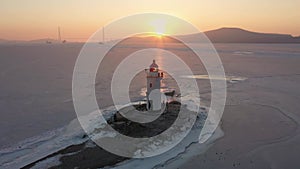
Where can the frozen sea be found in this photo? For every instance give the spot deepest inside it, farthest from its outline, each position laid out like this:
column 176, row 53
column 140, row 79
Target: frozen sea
column 36, row 86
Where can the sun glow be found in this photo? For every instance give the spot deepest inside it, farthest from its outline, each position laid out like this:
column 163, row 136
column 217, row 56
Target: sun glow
column 158, row 35
column 159, row 27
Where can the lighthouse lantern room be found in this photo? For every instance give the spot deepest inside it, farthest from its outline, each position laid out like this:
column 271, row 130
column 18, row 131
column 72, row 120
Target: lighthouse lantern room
column 154, row 77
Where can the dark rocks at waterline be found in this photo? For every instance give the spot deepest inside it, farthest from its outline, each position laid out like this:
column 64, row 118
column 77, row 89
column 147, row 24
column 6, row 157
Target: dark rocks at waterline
column 86, row 156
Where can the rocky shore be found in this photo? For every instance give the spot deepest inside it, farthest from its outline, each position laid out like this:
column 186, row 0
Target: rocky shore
column 89, row 155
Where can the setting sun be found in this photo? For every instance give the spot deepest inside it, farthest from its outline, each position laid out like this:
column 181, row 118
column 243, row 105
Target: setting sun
column 159, row 27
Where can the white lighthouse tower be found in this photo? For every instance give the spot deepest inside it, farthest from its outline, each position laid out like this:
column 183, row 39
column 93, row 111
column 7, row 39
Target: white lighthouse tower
column 154, row 76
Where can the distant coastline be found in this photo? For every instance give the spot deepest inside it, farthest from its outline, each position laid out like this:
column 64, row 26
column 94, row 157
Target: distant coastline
column 222, row 35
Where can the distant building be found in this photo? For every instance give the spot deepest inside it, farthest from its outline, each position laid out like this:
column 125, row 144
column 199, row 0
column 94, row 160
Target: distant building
column 154, row 77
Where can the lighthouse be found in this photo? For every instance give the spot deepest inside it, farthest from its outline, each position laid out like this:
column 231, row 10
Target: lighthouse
column 154, row 77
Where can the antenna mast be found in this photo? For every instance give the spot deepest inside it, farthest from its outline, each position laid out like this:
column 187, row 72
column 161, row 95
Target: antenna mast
column 103, row 37
column 59, row 37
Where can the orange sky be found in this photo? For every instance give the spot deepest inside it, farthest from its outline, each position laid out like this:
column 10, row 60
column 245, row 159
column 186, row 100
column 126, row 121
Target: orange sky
column 78, row 19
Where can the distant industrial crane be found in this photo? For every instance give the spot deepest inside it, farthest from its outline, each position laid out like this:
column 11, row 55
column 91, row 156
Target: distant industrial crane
column 58, row 34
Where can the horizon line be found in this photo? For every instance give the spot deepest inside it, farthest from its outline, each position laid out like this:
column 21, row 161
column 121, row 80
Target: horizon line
column 86, row 38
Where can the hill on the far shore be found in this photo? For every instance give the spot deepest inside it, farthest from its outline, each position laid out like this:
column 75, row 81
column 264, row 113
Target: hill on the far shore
column 237, row 35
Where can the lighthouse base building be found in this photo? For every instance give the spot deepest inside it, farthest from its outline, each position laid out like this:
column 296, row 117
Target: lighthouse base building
column 154, row 77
